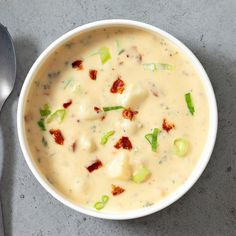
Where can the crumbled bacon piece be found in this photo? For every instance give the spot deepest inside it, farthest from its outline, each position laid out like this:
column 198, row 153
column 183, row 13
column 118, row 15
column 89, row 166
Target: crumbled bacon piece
column 129, row 114
column 124, row 143
column 116, row 190
column 73, row 146
column 78, row 64
column 167, row 126
column 97, row 109
column 118, row 86
column 67, row 104
column 93, row 74
column 57, row 136
column 96, row 165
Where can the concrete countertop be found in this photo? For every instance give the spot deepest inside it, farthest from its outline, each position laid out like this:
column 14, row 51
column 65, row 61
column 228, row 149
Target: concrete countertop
column 208, row 28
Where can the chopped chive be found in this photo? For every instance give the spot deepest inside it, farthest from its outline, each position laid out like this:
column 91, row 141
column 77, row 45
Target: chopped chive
column 106, row 136
column 180, row 147
column 45, row 111
column 41, row 124
column 158, row 66
column 104, row 55
column 188, row 100
column 60, row 113
column 112, row 108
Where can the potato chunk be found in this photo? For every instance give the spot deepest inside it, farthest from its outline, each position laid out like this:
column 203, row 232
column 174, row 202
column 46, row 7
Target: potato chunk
column 128, row 126
column 88, row 112
column 119, row 168
column 133, row 95
column 87, row 144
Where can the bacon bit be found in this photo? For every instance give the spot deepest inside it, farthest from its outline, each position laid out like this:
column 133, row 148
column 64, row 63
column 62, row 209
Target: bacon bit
column 46, row 94
column 118, row 86
column 116, row 190
column 93, row 74
column 103, row 117
column 129, row 114
column 96, row 165
column 124, row 143
column 57, row 136
column 67, row 104
column 97, row 109
column 167, row 126
column 73, row 146
column 77, row 64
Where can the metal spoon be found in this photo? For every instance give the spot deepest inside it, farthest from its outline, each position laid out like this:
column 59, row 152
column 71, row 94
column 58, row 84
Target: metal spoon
column 7, row 80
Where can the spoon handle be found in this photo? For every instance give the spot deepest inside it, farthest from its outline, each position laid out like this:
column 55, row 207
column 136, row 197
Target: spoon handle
column 1, row 219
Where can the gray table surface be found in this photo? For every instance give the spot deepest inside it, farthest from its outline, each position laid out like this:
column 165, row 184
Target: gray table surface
column 208, row 28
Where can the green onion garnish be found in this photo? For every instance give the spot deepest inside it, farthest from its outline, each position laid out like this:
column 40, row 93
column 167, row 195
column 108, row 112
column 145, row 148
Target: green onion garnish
column 158, row 66
column 149, row 137
column 106, row 136
column 45, row 111
column 112, row 108
column 188, row 99
column 152, row 138
column 100, row 205
column 180, row 147
column 41, row 124
column 58, row 114
column 104, row 55
column 141, row 174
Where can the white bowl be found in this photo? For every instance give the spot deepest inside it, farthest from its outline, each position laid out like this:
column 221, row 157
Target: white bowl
column 206, row 153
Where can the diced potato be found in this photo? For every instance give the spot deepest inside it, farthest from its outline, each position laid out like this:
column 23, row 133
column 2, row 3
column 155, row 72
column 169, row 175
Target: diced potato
column 119, row 168
column 133, row 96
column 87, row 112
column 130, row 127
column 87, row 144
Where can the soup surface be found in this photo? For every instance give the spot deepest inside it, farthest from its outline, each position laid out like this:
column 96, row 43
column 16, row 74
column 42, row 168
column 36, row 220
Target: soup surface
column 116, row 119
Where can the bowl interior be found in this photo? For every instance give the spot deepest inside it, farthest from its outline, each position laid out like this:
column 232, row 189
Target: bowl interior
column 206, row 153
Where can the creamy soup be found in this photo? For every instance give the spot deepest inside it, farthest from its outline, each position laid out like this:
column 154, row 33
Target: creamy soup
column 116, row 119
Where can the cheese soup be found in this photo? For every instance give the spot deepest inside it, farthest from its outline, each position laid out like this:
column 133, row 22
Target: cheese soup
column 116, row 119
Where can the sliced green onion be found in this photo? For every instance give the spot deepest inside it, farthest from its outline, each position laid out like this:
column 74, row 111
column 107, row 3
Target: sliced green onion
column 58, row 114
column 180, row 147
column 45, row 111
column 105, row 199
column 152, row 139
column 141, row 174
column 41, row 124
column 112, row 108
column 106, row 136
column 104, row 55
column 100, row 205
column 158, row 66
column 149, row 138
column 188, row 99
